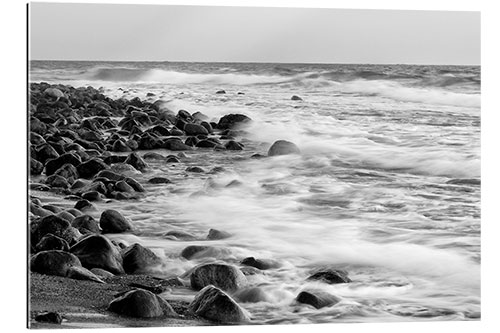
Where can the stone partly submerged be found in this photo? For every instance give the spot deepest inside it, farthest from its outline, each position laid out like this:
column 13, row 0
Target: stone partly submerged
column 317, row 298
column 96, row 251
column 214, row 304
column 223, row 276
column 283, row 147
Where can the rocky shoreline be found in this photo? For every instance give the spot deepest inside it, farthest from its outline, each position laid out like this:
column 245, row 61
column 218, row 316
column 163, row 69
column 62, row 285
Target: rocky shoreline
column 85, row 148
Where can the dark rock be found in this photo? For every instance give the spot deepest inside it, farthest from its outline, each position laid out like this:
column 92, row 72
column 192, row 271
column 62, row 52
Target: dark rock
column 192, row 141
column 52, row 242
column 96, row 251
column 112, row 221
column 102, row 273
column 49, row 317
column 206, row 144
column 84, row 205
column 86, row 224
column 180, row 235
column 141, row 303
column 57, row 181
column 67, row 171
column 213, row 304
column 92, row 196
column 194, row 169
column 36, row 167
column 331, row 276
column 53, row 164
column 261, row 264
column 214, row 234
column 232, row 121
column 50, row 224
column 36, row 139
column 191, row 251
column 175, row 145
column 160, row 130
column 183, row 114
column 207, row 126
column 234, row 183
column 71, row 235
column 159, row 180
column 136, row 161
column 220, row 92
column 75, row 212
column 79, row 183
column 65, row 215
column 282, row 147
column 138, row 259
column 296, row 98
column 153, row 156
column 257, row 156
column 39, row 211
column 53, row 209
column 217, row 169
column 46, row 152
column 110, row 175
column 317, row 298
column 121, row 146
column 172, row 159
column 91, row 167
column 225, row 277
column 134, row 184
column 233, row 145
column 195, row 129
column 53, row 262
column 81, row 273
column 122, row 186
column 176, row 132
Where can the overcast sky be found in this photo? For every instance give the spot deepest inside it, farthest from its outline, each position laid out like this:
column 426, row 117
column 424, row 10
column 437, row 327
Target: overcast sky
column 251, row 34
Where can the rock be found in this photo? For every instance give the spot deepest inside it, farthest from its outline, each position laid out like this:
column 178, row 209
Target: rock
column 50, row 224
column 190, row 251
column 84, row 205
column 220, row 92
column 213, row 304
column 225, row 277
column 52, row 242
column 56, row 181
column 175, row 145
column 71, row 235
column 317, row 298
column 159, row 180
column 176, row 132
column 180, row 235
column 261, row 264
column 232, row 121
column 172, row 159
column 110, row 175
column 207, row 126
column 233, row 145
column 121, row 146
column 74, row 212
column 39, row 211
column 282, row 147
column 102, row 273
column 36, row 167
column 49, row 317
column 136, row 161
column 86, row 224
column 91, row 167
column 52, row 165
column 92, row 196
column 122, row 186
column 96, row 251
column 192, row 141
column 67, row 171
column 330, row 276
column 195, row 129
column 138, row 259
column 214, row 234
column 81, row 273
column 53, row 262
column 52, row 208
column 153, row 156
column 206, row 144
column 54, row 92
column 194, row 169
column 112, row 221
column 134, row 184
column 251, row 295
column 141, row 303
column 296, row 98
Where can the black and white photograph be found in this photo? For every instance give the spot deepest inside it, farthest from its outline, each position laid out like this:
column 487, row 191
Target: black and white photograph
column 203, row 165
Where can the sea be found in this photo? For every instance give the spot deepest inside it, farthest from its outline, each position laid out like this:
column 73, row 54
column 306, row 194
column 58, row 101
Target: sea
column 387, row 185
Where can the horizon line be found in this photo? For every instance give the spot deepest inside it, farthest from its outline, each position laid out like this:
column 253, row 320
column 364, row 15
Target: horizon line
column 260, row 62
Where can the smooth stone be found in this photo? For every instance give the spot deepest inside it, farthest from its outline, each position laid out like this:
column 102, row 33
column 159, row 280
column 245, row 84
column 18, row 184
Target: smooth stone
column 122, row 186
column 317, row 298
column 136, row 186
column 83, row 204
column 331, row 276
column 91, row 167
column 191, row 251
column 261, row 264
column 232, row 121
column 180, row 235
column 50, row 224
column 110, row 175
column 136, row 161
column 225, row 277
column 214, row 234
column 52, row 242
column 233, row 145
column 121, row 146
column 36, row 167
column 53, row 209
column 49, row 317
column 53, row 262
column 283, row 147
column 96, row 251
column 112, row 221
column 159, row 180
column 153, row 156
column 92, row 196
column 138, row 259
column 65, row 215
column 56, row 181
column 195, row 169
column 102, row 273
column 141, row 303
column 68, row 171
column 86, row 224
column 296, row 98
column 52, row 165
column 214, row 304
column 81, row 273
column 195, row 129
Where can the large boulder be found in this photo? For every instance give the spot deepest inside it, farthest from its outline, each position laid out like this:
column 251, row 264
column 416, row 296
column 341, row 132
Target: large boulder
column 261, row 264
column 195, row 129
column 330, row 276
column 96, row 251
column 49, row 224
column 86, row 224
column 54, row 164
column 67, row 171
column 140, row 303
column 112, row 221
column 283, row 147
column 136, row 161
column 53, row 262
column 91, row 167
column 317, row 298
column 213, row 304
column 225, row 277
column 232, row 121
column 138, row 259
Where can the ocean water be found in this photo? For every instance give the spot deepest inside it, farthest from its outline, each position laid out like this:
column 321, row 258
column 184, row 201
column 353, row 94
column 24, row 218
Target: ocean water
column 387, row 186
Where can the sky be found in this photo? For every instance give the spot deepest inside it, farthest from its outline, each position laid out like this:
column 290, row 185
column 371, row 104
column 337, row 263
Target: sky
column 112, row 32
